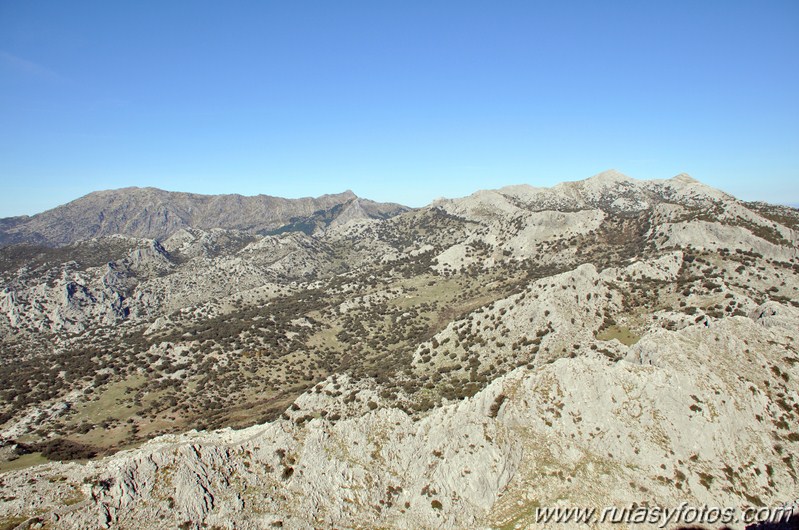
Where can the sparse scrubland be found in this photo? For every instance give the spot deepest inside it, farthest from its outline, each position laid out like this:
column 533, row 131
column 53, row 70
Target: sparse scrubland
column 602, row 342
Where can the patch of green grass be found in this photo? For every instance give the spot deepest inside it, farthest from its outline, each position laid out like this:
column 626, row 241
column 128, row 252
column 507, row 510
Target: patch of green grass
column 111, row 403
column 620, row 333
column 31, row 459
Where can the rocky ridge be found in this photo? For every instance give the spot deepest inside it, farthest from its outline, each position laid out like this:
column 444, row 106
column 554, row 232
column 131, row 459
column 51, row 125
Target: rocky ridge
column 603, row 342
column 152, row 213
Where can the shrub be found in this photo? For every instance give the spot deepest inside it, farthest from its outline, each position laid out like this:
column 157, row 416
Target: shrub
column 494, row 410
column 63, row 449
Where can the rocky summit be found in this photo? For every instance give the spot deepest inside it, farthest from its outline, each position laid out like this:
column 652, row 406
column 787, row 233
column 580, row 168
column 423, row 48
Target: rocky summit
column 172, row 360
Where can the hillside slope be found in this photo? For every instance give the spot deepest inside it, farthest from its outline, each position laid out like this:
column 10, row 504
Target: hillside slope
column 151, row 213
column 602, row 342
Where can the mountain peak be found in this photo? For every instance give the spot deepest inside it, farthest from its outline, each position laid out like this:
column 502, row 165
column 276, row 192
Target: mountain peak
column 610, row 176
column 684, row 178
column 346, row 195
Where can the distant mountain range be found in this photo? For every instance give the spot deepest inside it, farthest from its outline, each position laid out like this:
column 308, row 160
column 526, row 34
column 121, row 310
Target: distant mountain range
column 256, row 362
column 156, row 214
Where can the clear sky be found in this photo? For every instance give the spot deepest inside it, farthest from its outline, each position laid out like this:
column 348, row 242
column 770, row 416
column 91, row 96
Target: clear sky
column 399, row 101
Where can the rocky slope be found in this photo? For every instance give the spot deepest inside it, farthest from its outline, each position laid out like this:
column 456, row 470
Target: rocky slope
column 151, row 213
column 603, row 342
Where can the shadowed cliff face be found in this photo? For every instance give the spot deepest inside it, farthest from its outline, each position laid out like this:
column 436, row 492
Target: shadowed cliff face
column 156, row 214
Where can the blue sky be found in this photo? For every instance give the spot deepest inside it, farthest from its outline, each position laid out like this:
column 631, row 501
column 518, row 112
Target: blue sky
column 401, row 101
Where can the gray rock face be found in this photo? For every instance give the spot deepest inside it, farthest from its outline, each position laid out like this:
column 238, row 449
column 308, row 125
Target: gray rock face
column 156, row 214
column 599, row 343
column 685, row 426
